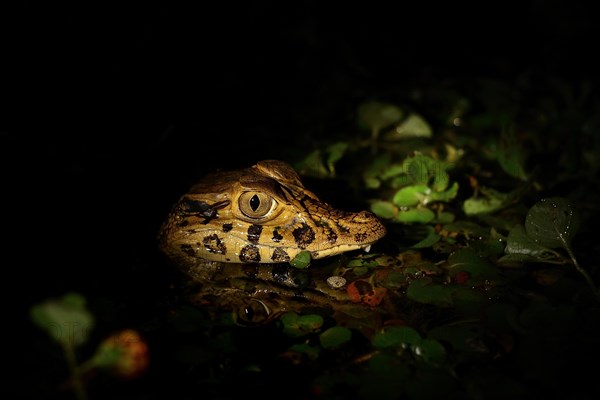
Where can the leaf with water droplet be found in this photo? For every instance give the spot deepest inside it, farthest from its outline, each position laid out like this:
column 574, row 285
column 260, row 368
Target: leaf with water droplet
column 384, row 209
column 431, row 351
column 396, row 336
column 552, row 222
column 520, row 247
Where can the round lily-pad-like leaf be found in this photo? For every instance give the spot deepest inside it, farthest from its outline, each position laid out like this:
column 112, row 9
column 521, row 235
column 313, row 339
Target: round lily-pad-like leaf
column 302, row 260
column 431, row 351
column 312, row 352
column 552, row 222
column 295, row 325
column 335, row 337
column 468, row 260
column 396, row 336
column 424, row 291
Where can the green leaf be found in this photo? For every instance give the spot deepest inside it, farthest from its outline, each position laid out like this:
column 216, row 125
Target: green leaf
column 432, row 238
column 441, row 179
column 421, row 215
column 552, row 222
column 302, row 260
column 391, row 171
column 66, row 319
column 295, row 325
column 462, row 337
column 510, row 154
column 469, row 301
column 445, row 195
column 444, row 217
column 313, row 165
column 418, row 168
column 521, row 244
column 395, row 336
column 424, row 291
column 383, row 209
column 468, row 260
column 375, row 115
column 371, row 182
column 481, row 205
column 484, row 204
column 335, row 337
column 335, row 153
column 312, row 352
column 431, row 351
column 377, row 166
column 413, row 126
column 411, row 195
column 362, row 262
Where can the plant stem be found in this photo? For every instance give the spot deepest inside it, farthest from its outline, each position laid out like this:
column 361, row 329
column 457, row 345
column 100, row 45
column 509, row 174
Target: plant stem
column 75, row 372
column 582, row 271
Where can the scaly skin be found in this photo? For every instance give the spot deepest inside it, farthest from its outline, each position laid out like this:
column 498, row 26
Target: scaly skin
column 209, row 222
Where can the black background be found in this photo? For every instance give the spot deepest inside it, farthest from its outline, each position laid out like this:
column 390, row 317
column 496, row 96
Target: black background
column 111, row 111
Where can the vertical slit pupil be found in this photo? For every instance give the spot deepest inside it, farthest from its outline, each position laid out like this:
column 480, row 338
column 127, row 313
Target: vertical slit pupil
column 254, row 203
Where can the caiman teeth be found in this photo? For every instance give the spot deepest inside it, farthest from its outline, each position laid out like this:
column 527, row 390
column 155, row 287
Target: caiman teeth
column 367, row 248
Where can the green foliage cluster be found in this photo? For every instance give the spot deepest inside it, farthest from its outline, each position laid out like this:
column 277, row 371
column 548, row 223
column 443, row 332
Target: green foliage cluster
column 470, row 217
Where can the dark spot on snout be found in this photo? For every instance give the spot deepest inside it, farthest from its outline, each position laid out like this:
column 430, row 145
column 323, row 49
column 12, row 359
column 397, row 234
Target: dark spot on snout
column 304, row 235
column 250, row 253
column 279, row 255
column 254, row 232
column 187, row 249
column 214, row 244
column 276, row 236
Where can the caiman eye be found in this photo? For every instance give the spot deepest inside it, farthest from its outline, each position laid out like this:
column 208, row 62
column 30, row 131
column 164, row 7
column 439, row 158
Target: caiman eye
column 254, row 313
column 256, row 204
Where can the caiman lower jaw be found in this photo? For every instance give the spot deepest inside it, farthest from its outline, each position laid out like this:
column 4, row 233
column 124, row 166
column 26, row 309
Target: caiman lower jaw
column 341, row 249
